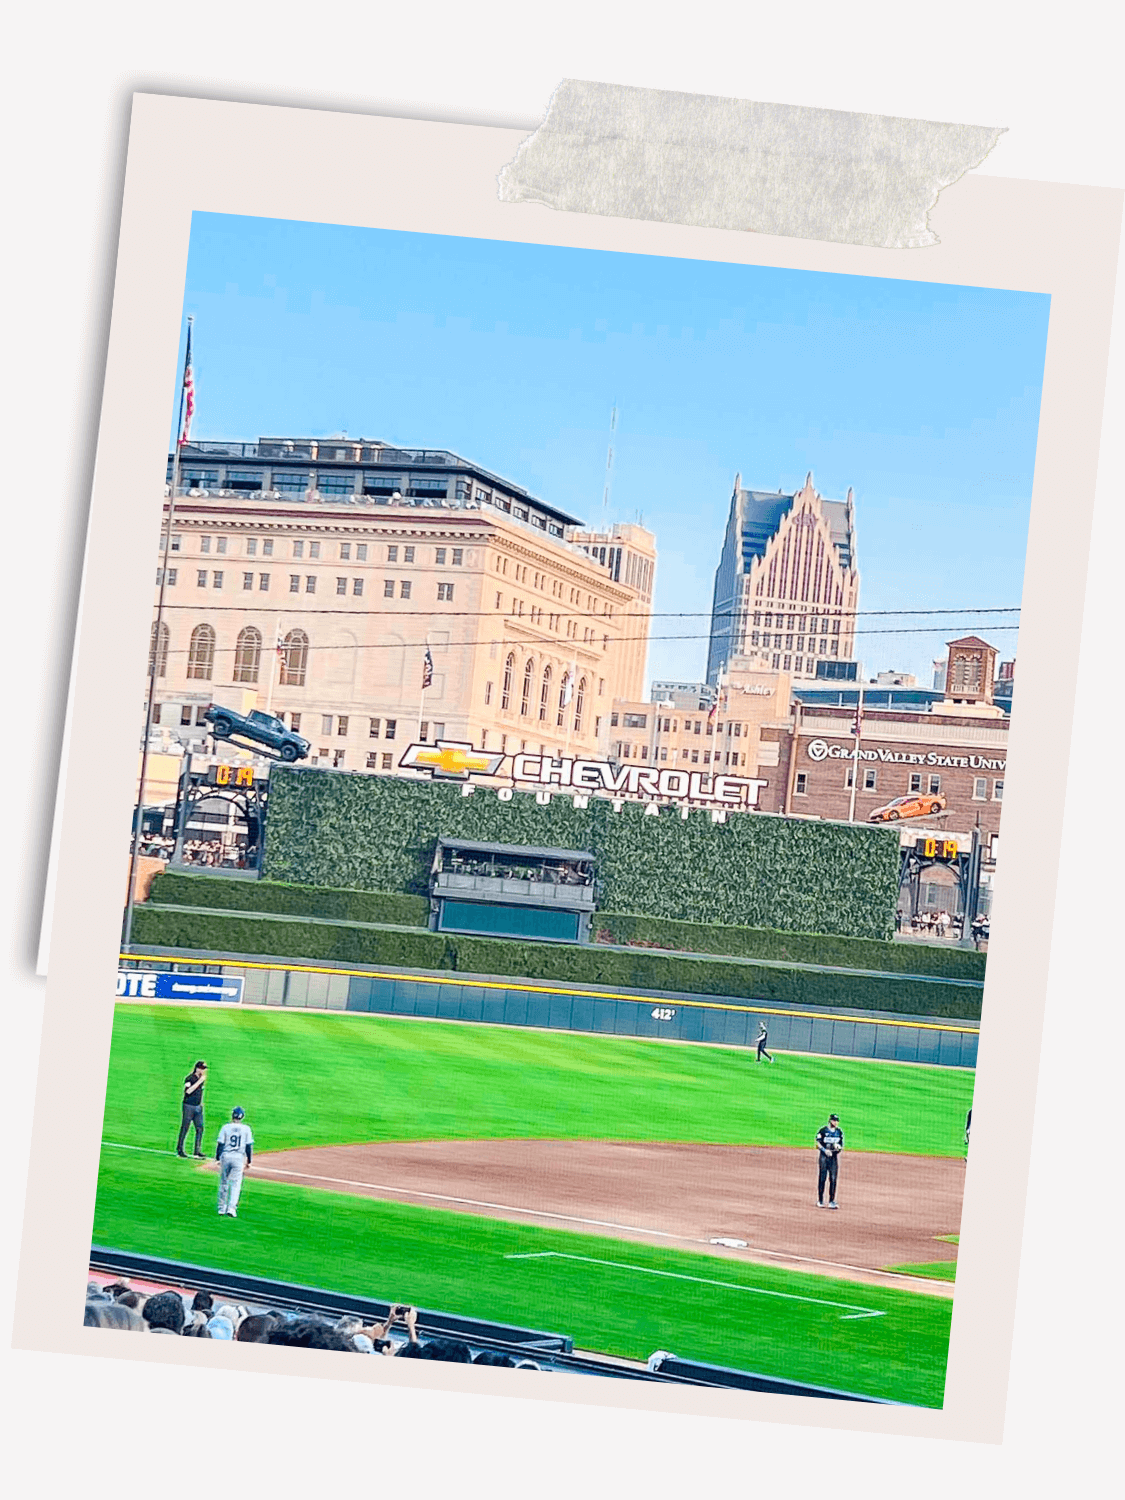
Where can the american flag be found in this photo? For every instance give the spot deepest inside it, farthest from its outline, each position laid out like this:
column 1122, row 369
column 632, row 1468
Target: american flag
column 427, row 669
column 189, row 392
column 282, row 653
column 858, row 721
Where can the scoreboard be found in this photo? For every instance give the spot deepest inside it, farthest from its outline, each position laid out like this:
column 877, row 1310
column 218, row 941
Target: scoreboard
column 945, row 851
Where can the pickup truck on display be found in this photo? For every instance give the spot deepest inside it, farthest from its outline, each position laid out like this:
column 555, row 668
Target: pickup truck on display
column 263, row 729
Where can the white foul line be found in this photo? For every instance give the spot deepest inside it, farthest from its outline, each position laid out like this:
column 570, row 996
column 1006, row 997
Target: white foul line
column 854, row 1311
column 542, row 1213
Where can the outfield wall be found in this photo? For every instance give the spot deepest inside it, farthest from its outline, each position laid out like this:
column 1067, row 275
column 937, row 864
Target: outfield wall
column 719, row 1019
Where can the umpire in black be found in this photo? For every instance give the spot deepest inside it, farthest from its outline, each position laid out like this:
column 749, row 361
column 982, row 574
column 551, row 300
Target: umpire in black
column 830, row 1142
column 192, row 1108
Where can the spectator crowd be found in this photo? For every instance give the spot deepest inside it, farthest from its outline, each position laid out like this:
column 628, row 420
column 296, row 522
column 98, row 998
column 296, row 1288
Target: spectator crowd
column 119, row 1305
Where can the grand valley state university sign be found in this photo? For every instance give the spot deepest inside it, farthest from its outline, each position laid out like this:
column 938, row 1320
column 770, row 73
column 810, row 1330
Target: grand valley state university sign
column 822, row 750
column 452, row 760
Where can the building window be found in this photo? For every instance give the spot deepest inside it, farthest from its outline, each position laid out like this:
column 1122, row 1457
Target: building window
column 247, row 580
column 392, row 554
column 439, row 731
column 545, row 695
column 408, row 554
column 156, row 708
column 294, row 659
column 263, row 583
column 579, row 705
column 326, row 723
column 342, row 724
column 439, row 557
column 298, row 549
column 294, row 722
column 870, row 777
column 506, row 685
column 801, row 785
column 424, row 731
column 174, row 543
column 204, row 544
column 247, row 655
column 216, row 580
column 499, row 601
column 373, row 760
column 185, row 714
column 935, row 783
column 294, row 583
column 635, row 721
column 997, row 791
column 170, row 578
column 980, row 788
column 341, row 585
column 487, row 693
column 345, row 551
column 388, row 588
column 158, row 653
column 388, row 760
column 357, row 587
column 201, row 653
column 373, row 732
column 361, row 552
column 445, row 593
column 695, row 757
column 201, row 578
column 314, row 547
column 458, row 556
column 338, row 757
column 525, row 695
column 915, row 781
column 221, row 544
column 389, row 729
column 404, row 589
column 267, row 547
column 310, row 584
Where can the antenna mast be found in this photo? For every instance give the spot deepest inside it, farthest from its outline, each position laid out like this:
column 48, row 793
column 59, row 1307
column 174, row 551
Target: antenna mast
column 609, row 463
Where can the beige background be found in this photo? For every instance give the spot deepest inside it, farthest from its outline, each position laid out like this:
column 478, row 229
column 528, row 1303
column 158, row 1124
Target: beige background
column 440, row 178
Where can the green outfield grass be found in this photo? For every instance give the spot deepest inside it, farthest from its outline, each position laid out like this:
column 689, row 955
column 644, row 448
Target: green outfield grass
column 314, row 1078
column 700, row 1307
column 310, row 1078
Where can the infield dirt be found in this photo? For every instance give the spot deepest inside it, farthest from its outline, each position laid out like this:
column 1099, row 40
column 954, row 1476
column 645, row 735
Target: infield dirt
column 892, row 1208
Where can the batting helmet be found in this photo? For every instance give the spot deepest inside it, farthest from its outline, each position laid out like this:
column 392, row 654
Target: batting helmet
column 237, row 1113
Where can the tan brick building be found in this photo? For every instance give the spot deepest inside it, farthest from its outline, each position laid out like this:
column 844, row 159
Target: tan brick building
column 310, row 578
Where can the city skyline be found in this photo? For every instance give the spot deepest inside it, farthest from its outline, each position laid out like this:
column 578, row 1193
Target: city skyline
column 514, row 355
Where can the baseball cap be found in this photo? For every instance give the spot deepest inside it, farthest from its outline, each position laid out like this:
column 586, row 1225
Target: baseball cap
column 199, row 1063
column 237, row 1112
column 834, row 1117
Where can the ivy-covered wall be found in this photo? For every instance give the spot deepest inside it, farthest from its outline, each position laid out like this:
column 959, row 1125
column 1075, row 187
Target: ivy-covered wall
column 329, row 828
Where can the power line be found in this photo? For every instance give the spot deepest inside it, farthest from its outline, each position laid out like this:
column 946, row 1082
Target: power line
column 656, row 614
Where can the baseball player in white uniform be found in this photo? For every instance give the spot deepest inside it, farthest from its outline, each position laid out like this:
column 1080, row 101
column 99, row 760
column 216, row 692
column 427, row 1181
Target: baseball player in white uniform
column 233, row 1151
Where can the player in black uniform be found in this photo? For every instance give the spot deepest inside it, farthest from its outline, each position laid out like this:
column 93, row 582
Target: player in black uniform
column 763, row 1038
column 830, row 1142
column 192, row 1108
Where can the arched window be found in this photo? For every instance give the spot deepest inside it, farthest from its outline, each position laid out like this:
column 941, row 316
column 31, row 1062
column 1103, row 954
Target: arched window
column 201, row 653
column 247, row 655
column 158, row 653
column 579, row 704
column 525, row 696
column 545, row 694
column 506, row 685
column 294, row 659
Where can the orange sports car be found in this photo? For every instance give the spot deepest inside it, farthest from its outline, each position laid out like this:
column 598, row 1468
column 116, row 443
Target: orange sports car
column 916, row 806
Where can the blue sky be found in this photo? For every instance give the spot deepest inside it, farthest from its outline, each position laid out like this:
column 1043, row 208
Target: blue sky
column 923, row 398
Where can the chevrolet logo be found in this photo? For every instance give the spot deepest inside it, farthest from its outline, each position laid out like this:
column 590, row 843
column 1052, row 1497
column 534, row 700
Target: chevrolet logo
column 451, row 760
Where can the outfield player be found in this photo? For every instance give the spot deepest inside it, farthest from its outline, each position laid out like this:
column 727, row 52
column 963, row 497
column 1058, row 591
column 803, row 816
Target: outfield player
column 191, row 1108
column 763, row 1038
column 233, row 1151
column 830, row 1142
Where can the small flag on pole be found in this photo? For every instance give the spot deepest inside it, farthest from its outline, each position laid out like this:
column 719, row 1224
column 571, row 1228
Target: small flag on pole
column 856, row 725
column 568, row 688
column 427, row 669
column 189, row 392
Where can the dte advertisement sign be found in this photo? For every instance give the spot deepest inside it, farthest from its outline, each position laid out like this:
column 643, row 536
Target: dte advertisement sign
column 162, row 984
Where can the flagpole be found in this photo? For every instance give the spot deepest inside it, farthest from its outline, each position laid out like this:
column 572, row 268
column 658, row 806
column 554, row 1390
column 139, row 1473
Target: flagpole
column 427, row 672
column 154, row 664
column 855, row 755
column 275, row 657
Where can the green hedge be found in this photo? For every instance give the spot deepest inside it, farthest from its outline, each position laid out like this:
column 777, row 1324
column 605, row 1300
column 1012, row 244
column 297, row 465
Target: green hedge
column 796, row 947
column 174, row 889
column 643, row 969
column 377, row 833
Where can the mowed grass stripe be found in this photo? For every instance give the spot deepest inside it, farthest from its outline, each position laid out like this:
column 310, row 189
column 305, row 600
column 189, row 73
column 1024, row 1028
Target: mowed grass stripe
column 157, row 1205
column 311, row 1078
